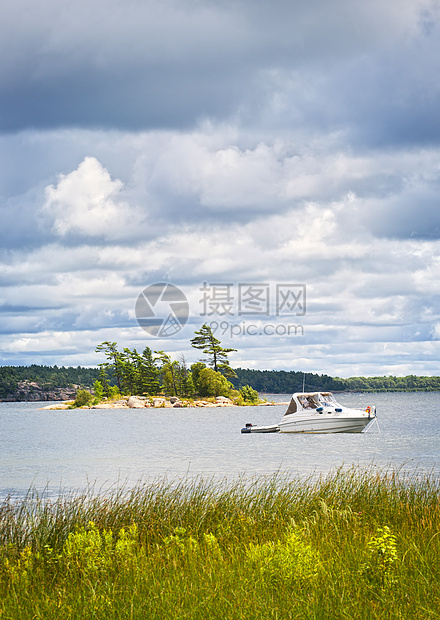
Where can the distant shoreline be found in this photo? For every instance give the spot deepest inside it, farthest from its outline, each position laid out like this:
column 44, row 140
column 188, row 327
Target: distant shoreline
column 53, row 383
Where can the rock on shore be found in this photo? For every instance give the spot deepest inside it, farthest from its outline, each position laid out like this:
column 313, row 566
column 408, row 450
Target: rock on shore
column 30, row 391
column 143, row 402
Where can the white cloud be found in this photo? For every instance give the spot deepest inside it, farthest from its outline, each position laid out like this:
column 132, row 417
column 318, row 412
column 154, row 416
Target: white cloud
column 88, row 202
column 41, row 343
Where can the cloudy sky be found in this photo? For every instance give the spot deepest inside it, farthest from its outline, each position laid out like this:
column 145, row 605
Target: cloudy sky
column 233, row 148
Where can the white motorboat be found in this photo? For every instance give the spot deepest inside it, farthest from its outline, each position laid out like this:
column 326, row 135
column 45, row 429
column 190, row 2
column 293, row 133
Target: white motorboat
column 319, row 412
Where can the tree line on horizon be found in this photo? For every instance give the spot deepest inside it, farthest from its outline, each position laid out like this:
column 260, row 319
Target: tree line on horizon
column 288, row 382
column 47, row 377
column 263, row 381
column 153, row 372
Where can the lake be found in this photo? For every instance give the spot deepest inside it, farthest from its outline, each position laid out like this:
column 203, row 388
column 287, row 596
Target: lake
column 73, row 449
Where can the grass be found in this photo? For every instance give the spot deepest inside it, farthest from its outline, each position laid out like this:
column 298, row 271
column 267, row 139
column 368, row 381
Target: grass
column 357, row 544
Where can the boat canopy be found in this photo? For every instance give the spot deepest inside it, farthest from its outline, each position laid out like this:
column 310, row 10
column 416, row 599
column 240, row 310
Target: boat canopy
column 310, row 400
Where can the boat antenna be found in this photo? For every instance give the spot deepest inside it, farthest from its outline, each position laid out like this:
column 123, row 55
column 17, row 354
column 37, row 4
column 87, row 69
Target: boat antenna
column 304, row 380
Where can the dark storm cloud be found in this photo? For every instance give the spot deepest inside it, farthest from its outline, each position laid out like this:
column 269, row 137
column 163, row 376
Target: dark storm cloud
column 392, row 97
column 154, row 97
column 148, row 64
column 19, row 223
column 123, row 65
column 415, row 215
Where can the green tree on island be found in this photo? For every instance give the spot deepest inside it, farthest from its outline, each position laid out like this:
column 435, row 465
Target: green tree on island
column 177, row 379
column 83, row 398
column 184, row 378
column 213, row 383
column 149, row 372
column 114, row 356
column 211, row 346
column 168, row 370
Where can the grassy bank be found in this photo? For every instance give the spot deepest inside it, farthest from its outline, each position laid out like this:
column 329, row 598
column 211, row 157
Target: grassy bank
column 354, row 545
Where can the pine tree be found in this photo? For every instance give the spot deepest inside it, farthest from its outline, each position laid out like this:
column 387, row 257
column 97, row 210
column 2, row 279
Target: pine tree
column 211, row 346
column 169, row 373
column 103, row 380
column 114, row 357
column 149, row 372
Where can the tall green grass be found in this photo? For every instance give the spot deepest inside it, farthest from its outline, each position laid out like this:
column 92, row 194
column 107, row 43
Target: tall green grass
column 356, row 544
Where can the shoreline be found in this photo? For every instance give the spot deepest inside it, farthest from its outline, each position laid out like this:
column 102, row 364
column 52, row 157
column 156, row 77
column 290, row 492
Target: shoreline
column 143, row 402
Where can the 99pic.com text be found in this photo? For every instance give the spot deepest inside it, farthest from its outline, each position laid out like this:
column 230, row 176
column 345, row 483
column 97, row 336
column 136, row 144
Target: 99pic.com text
column 235, row 330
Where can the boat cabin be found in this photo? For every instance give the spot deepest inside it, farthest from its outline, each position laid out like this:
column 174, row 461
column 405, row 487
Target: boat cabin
column 311, row 400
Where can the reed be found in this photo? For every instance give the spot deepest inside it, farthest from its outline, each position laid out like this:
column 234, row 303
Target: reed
column 355, row 544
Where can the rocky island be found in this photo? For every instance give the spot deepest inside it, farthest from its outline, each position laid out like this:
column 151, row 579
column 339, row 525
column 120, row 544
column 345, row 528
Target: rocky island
column 157, row 402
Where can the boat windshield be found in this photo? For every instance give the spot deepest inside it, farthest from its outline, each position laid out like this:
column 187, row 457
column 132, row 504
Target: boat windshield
column 321, row 399
column 326, row 399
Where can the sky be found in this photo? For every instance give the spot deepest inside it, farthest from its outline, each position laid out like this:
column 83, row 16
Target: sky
column 278, row 162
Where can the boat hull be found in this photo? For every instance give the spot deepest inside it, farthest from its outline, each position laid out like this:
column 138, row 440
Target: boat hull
column 325, row 425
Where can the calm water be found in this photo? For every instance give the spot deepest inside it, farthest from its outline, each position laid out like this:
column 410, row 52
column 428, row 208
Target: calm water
column 73, row 449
